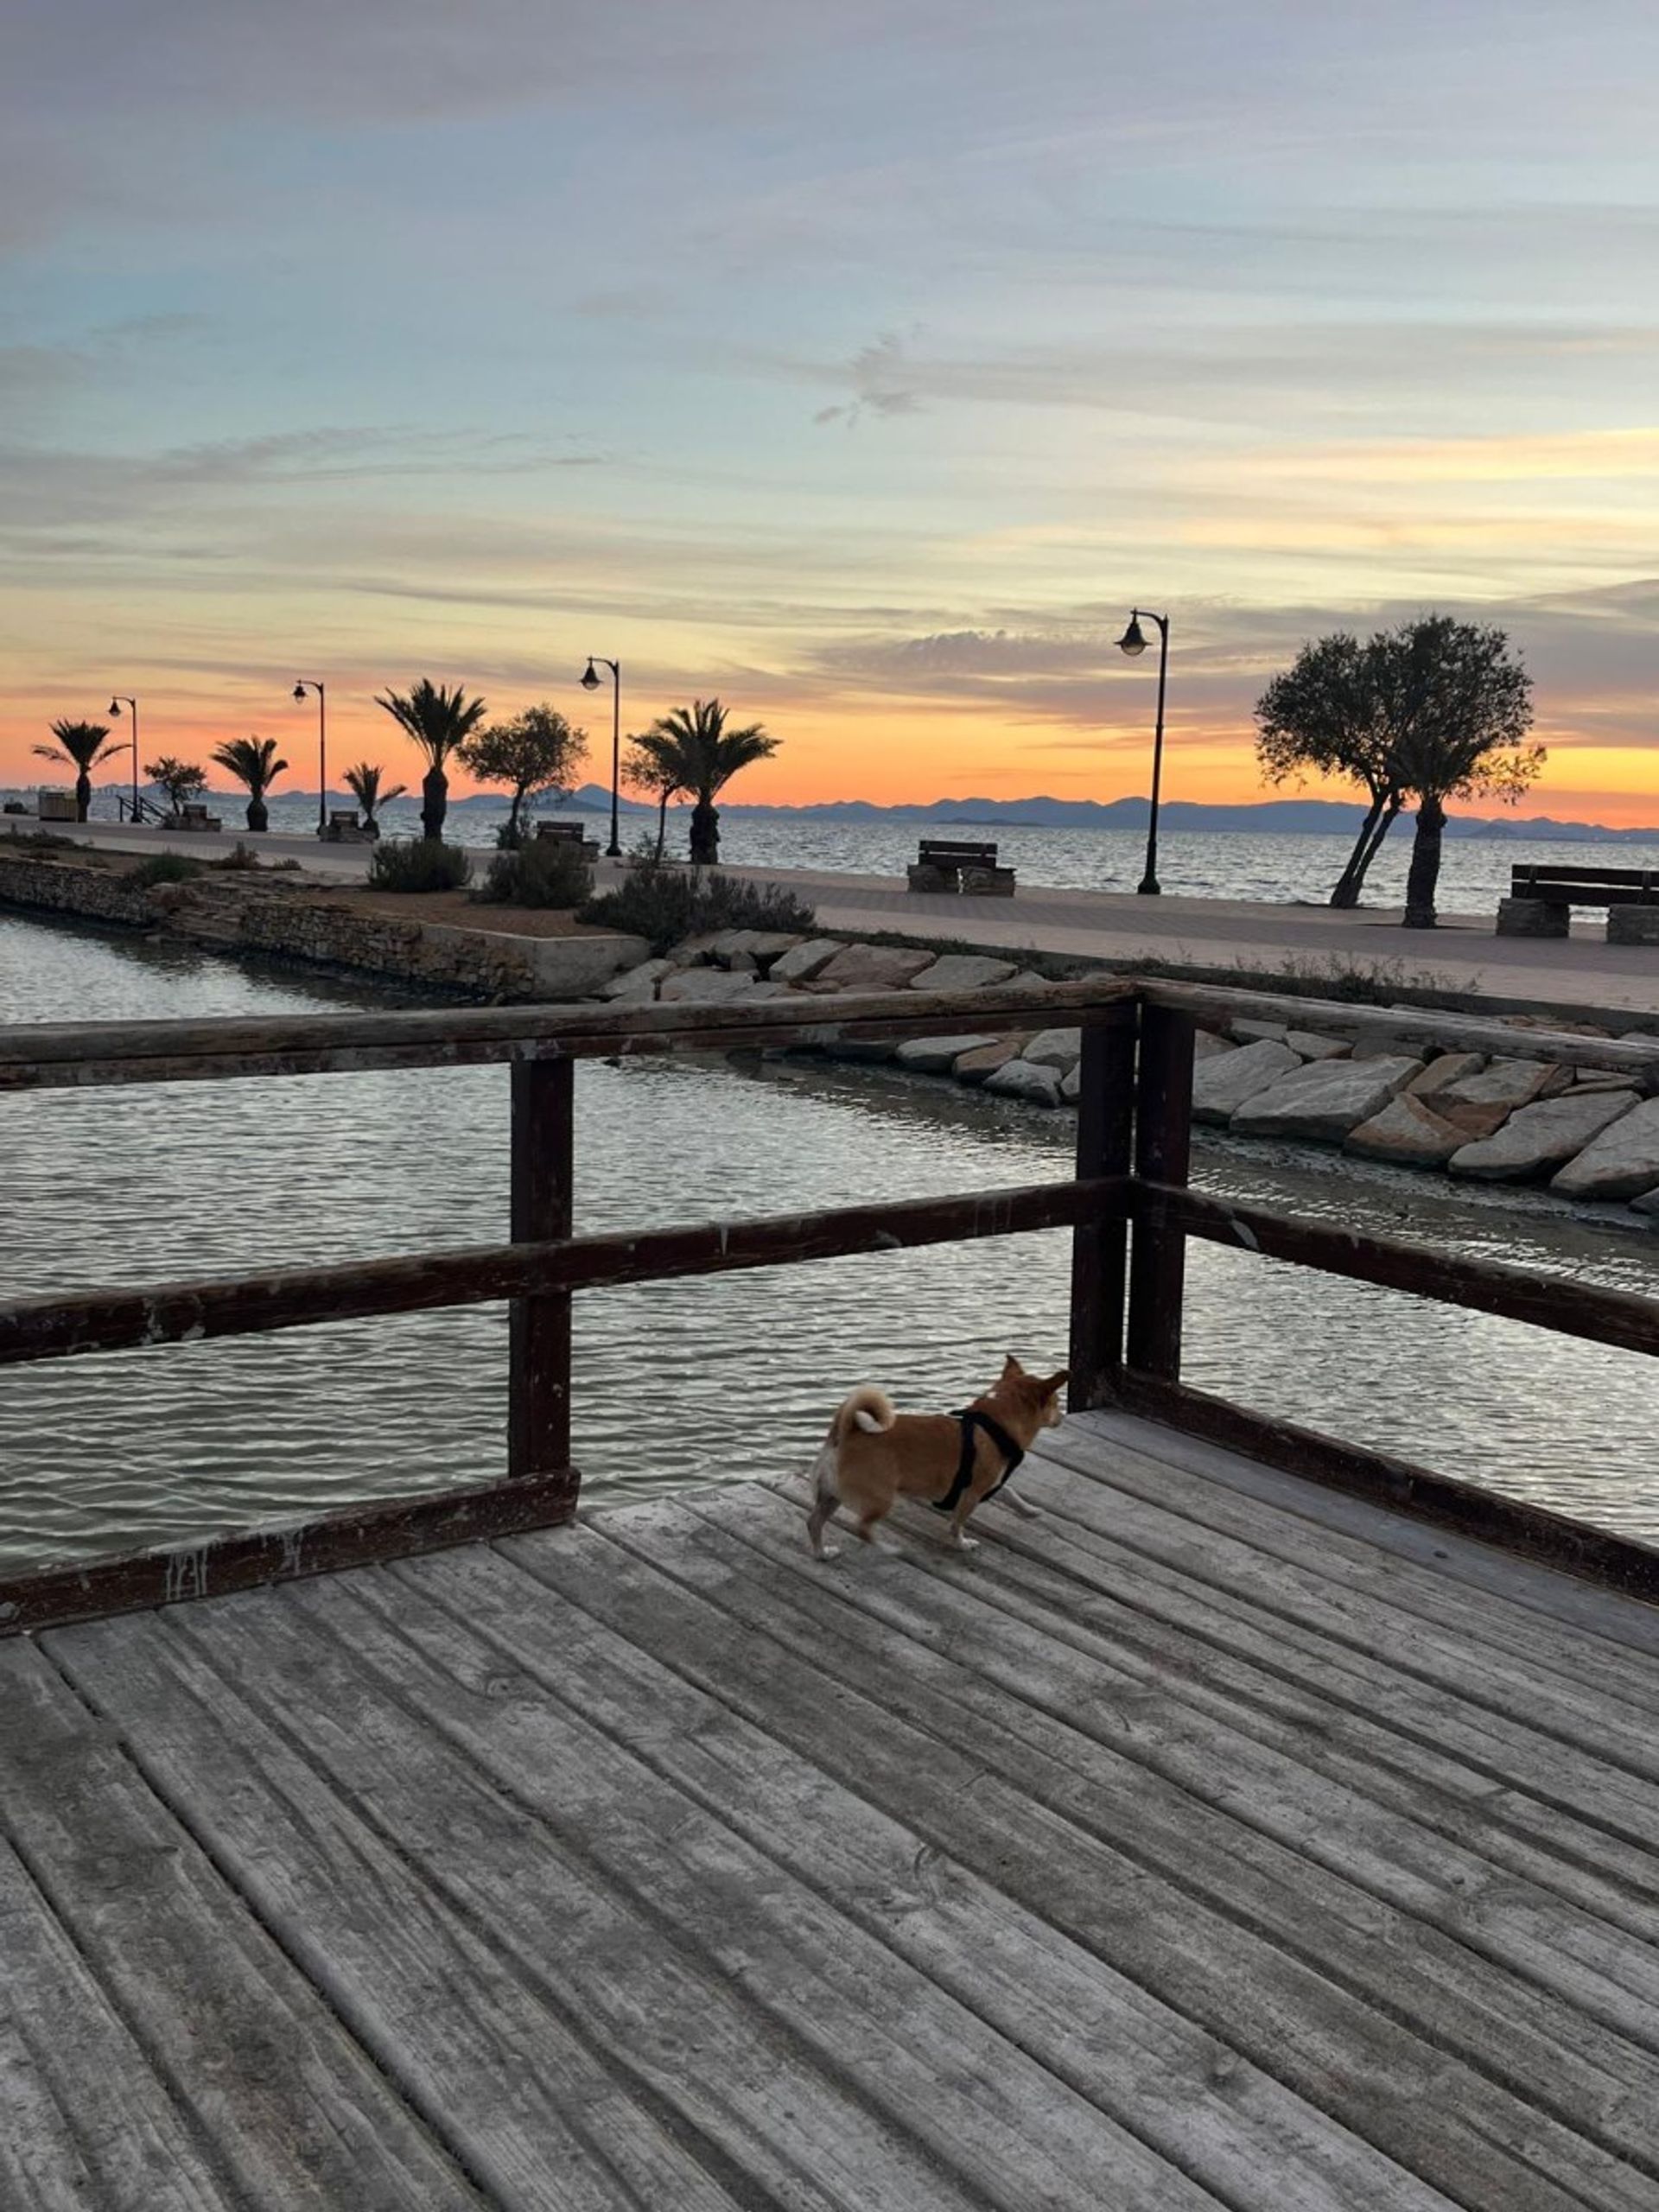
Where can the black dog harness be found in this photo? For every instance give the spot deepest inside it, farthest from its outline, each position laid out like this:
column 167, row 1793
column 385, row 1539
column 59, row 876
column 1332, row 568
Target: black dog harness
column 972, row 1421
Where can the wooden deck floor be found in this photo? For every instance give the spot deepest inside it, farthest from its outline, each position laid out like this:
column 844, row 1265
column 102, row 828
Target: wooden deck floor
column 1211, row 1841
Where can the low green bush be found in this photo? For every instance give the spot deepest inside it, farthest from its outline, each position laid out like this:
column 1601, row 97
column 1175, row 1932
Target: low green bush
column 668, row 905
column 165, row 867
column 419, row 864
column 43, row 845
column 545, row 872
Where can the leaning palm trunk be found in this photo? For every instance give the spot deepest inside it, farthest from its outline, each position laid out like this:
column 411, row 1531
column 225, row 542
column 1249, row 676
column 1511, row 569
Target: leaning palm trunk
column 1379, row 820
column 434, row 801
column 1425, row 873
column 705, row 833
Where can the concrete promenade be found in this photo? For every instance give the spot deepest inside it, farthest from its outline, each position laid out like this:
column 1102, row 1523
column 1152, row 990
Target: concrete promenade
column 1204, row 934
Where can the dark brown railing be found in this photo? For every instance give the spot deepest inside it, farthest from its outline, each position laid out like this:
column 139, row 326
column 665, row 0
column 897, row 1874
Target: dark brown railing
column 1128, row 1207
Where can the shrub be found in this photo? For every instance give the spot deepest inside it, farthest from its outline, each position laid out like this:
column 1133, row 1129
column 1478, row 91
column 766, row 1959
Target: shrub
column 668, row 905
column 165, row 867
column 545, row 872
column 43, row 845
column 418, row 864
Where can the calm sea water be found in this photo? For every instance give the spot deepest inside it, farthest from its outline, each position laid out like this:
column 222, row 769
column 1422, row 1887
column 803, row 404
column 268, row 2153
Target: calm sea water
column 1474, row 874
column 685, row 1383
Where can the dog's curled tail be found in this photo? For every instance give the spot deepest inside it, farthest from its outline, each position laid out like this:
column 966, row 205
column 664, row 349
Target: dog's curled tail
column 867, row 1408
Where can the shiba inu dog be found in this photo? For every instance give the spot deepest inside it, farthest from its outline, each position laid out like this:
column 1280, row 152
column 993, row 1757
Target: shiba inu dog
column 873, row 1456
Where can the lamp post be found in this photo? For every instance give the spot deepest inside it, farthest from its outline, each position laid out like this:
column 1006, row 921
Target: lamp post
column 1133, row 642
column 300, row 690
column 116, row 705
column 590, row 683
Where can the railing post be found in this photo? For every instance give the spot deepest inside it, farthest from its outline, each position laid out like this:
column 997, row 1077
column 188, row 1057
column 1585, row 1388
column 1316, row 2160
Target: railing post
column 543, row 1126
column 1100, row 1248
column 1163, row 1144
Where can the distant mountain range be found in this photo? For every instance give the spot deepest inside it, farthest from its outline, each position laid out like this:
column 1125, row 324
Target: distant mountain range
column 1311, row 818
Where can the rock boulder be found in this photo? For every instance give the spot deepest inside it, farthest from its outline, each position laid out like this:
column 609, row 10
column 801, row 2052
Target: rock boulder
column 805, row 961
column 873, row 968
column 1407, row 1132
column 1324, row 1100
column 1221, row 1086
column 962, row 971
column 978, row 1065
column 1621, row 1163
column 1055, row 1048
column 1023, row 1079
column 1542, row 1136
column 938, row 1055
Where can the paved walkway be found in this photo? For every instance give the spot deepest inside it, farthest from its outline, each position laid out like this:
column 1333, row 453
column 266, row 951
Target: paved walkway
column 1251, row 936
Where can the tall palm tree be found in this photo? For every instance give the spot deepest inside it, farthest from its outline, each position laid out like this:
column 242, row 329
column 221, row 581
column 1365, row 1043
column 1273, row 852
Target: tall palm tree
column 80, row 745
column 364, row 784
column 252, row 761
column 439, row 721
column 708, row 755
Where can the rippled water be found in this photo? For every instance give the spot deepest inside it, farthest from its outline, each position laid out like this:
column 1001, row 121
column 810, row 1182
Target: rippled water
column 675, row 1383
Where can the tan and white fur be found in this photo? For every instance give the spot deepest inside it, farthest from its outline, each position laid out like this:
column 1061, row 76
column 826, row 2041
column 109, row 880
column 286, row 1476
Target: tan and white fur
column 874, row 1456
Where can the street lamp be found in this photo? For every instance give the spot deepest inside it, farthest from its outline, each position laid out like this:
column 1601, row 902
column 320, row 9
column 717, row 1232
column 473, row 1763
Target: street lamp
column 590, row 681
column 115, row 709
column 323, row 749
column 1133, row 642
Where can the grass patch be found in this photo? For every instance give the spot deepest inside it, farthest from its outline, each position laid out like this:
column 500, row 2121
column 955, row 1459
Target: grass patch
column 419, row 864
column 542, row 872
column 165, row 867
column 46, row 845
column 667, row 906
column 242, row 857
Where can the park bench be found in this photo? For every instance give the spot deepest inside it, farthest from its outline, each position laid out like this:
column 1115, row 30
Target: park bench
column 960, row 864
column 193, row 816
column 569, row 833
column 1541, row 899
column 345, row 827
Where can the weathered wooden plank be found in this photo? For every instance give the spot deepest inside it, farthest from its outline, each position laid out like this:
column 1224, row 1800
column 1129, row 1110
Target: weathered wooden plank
column 1163, row 1146
column 295, row 2114
column 1571, row 1309
column 1257, row 2145
column 543, row 1161
column 1100, row 1246
column 1573, row 1547
column 1215, row 1005
column 1407, row 2095
column 390, row 1528
column 85, row 2121
column 42, row 1054
column 1593, row 1633
column 57, row 1328
column 951, row 2110
column 546, row 2124
column 1282, row 1561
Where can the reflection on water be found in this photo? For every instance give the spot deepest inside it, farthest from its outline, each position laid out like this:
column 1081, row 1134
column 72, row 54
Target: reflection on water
column 679, row 1383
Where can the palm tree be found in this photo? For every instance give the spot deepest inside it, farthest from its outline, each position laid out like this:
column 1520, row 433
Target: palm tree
column 252, row 761
column 708, row 756
column 439, row 721
column 80, row 745
column 364, row 784
column 653, row 763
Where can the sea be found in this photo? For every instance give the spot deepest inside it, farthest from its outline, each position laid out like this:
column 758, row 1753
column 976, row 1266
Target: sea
column 718, row 1380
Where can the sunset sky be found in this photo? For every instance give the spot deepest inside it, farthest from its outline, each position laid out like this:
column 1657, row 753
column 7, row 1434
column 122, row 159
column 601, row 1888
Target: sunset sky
column 858, row 360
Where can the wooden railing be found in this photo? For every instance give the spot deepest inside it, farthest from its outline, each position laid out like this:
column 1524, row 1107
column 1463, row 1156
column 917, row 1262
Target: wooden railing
column 1127, row 1205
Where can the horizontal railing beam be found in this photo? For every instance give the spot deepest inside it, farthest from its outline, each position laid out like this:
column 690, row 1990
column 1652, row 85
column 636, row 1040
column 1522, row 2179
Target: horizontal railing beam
column 41, row 1055
column 115, row 1320
column 1408, row 1027
column 1571, row 1309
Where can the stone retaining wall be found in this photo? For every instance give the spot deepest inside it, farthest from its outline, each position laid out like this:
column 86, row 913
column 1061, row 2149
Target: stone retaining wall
column 232, row 915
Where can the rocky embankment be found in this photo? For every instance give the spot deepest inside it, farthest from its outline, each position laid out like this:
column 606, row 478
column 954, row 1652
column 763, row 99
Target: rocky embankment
column 1586, row 1131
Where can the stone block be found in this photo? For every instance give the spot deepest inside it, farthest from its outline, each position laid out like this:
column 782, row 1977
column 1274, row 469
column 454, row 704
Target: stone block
column 1023, row 1079
column 987, row 882
column 938, row 1055
column 637, row 982
column 1324, row 1100
column 1221, row 1086
column 1538, row 1138
column 984, row 1060
column 1245, row 1031
column 1633, row 925
column 1206, row 1046
column 874, row 967
column 931, row 879
column 1532, row 917
column 706, row 987
column 1308, row 1046
column 1441, row 1073
column 1055, row 1048
column 962, row 971
column 1406, row 1132
column 1508, row 1084
column 1621, row 1161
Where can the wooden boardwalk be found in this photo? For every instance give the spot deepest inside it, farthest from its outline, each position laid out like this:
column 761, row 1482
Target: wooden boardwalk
column 1213, row 1841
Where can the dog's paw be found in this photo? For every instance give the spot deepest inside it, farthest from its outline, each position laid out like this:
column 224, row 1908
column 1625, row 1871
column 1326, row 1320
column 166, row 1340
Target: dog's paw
column 826, row 1551
column 1022, row 1508
column 961, row 1543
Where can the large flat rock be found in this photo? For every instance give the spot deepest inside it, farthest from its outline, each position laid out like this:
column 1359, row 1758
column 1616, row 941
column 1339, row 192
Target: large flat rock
column 938, row 1055
column 1055, row 1048
column 1409, row 1133
column 1324, row 1100
column 873, row 968
column 981, row 1063
column 962, row 971
column 1221, row 1086
column 714, row 986
column 1445, row 1069
column 803, row 961
column 639, row 983
column 1508, row 1084
column 1621, row 1163
column 1023, row 1079
column 1540, row 1136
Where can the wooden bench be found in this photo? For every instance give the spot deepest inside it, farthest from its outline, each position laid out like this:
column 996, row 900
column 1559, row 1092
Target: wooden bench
column 345, row 828
column 569, row 833
column 192, row 815
column 1541, row 899
column 960, row 864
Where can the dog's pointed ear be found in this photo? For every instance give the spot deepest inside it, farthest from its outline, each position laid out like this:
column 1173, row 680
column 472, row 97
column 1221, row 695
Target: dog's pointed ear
column 1056, row 1383
column 1011, row 1366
